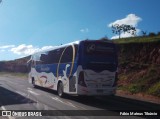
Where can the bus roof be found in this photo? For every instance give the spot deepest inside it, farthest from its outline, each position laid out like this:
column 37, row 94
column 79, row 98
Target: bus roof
column 75, row 42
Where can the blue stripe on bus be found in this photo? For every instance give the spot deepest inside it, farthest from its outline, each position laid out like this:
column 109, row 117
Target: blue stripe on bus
column 52, row 68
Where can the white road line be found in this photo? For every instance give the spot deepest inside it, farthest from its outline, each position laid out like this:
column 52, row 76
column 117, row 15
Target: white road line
column 13, row 82
column 10, row 117
column 29, row 88
column 71, row 104
column 34, row 93
column 77, row 106
column 64, row 102
column 31, row 91
column 57, row 99
column 21, row 93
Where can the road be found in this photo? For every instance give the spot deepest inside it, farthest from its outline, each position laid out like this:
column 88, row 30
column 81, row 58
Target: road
column 18, row 94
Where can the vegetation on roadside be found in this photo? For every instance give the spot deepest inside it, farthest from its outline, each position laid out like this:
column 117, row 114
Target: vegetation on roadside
column 139, row 65
column 19, row 75
column 145, row 80
column 140, row 39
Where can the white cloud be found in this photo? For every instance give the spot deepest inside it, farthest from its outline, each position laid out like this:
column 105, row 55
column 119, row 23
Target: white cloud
column 47, row 47
column 7, row 46
column 24, row 49
column 130, row 19
column 86, row 30
column 123, row 35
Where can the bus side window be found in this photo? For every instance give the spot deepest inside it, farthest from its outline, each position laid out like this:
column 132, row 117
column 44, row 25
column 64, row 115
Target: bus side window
column 67, row 55
column 54, row 56
column 43, row 59
column 32, row 63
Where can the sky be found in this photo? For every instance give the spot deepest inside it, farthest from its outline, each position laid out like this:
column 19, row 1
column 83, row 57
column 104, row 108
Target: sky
column 29, row 26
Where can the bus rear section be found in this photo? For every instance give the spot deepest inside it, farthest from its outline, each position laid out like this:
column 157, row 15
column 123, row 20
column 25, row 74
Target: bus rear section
column 97, row 68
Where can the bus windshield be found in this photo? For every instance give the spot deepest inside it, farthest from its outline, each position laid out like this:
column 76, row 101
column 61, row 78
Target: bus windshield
column 99, row 56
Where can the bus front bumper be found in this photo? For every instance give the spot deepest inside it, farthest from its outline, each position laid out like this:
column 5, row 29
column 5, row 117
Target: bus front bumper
column 99, row 92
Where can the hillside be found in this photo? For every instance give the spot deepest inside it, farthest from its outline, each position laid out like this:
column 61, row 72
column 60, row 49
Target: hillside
column 18, row 65
column 139, row 65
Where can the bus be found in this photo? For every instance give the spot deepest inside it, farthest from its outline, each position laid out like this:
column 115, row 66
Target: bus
column 87, row 67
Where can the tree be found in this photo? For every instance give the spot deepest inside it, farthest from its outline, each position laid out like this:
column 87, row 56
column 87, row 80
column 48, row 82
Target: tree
column 118, row 29
column 144, row 33
column 151, row 34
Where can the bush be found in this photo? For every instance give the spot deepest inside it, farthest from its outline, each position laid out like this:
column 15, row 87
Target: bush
column 151, row 34
column 158, row 34
column 135, row 88
column 155, row 89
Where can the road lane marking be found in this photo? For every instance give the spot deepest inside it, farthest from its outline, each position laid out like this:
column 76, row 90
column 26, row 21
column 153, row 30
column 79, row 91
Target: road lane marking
column 21, row 93
column 57, row 99
column 34, row 93
column 13, row 82
column 71, row 104
column 64, row 102
column 31, row 91
column 29, row 88
column 10, row 117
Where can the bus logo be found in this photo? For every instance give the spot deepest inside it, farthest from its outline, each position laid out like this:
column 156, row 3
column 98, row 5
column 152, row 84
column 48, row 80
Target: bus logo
column 91, row 48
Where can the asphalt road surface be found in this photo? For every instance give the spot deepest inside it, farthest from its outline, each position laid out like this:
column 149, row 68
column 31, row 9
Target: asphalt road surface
column 18, row 94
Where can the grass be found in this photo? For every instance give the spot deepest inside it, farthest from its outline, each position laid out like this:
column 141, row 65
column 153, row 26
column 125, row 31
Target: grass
column 137, row 82
column 138, row 39
column 132, row 88
column 143, row 75
column 20, row 75
column 155, row 89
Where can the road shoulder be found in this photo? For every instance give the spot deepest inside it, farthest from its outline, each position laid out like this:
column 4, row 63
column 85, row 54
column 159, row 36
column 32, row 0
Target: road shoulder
column 139, row 96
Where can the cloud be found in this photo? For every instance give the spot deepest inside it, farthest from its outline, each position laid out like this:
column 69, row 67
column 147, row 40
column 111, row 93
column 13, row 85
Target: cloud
column 130, row 19
column 24, row 49
column 86, row 30
column 7, row 46
column 47, row 48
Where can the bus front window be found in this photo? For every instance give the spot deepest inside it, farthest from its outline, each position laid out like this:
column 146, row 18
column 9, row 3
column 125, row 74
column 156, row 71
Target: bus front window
column 100, row 56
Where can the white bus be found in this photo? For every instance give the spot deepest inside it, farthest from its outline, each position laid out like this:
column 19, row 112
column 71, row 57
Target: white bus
column 87, row 67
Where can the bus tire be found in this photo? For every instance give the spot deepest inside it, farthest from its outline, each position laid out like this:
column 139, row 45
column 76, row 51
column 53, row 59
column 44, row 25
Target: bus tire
column 60, row 89
column 33, row 82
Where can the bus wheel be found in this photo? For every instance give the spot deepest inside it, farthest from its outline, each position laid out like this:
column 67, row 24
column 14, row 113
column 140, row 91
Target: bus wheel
column 33, row 82
column 60, row 90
